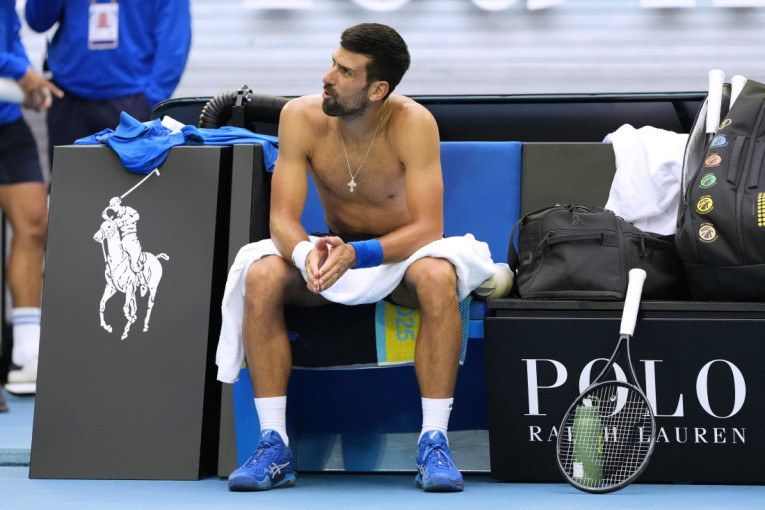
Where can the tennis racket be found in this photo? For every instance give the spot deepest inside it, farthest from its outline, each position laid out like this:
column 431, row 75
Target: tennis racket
column 609, row 432
column 10, row 91
column 736, row 85
column 716, row 77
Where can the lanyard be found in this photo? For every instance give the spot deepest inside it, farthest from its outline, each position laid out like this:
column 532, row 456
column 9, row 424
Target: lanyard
column 103, row 25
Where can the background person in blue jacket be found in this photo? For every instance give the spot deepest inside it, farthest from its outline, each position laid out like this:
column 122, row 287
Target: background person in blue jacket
column 110, row 57
column 23, row 199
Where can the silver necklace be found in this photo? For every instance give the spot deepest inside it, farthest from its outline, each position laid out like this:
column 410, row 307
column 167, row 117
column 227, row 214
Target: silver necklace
column 352, row 182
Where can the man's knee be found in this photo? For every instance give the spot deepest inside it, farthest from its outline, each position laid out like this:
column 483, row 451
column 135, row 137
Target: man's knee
column 274, row 282
column 434, row 281
column 268, row 273
column 32, row 235
column 30, row 224
column 38, row 232
column 274, row 279
column 431, row 272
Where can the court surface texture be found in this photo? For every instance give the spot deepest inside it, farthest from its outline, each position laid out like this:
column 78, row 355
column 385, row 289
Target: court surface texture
column 345, row 491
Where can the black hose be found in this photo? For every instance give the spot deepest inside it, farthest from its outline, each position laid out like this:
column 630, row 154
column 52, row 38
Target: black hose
column 242, row 106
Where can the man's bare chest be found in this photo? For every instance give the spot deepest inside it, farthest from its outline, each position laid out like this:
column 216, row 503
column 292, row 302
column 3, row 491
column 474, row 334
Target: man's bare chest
column 377, row 174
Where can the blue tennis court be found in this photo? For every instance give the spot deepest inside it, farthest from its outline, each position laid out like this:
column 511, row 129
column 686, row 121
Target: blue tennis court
column 325, row 490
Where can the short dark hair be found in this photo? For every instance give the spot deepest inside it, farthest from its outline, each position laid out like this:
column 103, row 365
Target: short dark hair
column 386, row 49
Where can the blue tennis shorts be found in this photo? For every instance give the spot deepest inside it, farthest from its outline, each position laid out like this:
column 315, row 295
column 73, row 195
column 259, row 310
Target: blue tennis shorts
column 19, row 160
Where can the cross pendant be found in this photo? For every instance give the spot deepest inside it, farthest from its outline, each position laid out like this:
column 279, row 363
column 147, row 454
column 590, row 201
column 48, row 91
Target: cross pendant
column 351, row 184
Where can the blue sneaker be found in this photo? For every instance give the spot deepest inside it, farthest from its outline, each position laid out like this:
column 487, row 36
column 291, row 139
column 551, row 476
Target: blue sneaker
column 268, row 468
column 436, row 471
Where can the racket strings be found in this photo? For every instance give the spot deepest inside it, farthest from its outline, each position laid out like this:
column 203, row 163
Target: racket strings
column 607, row 437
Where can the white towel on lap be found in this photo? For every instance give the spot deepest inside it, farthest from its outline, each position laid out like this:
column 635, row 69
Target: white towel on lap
column 471, row 259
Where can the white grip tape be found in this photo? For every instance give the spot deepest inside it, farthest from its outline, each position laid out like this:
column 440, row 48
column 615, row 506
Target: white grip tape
column 736, row 85
column 714, row 99
column 11, row 91
column 632, row 301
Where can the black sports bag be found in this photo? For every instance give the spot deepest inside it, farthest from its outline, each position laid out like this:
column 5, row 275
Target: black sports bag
column 721, row 223
column 574, row 252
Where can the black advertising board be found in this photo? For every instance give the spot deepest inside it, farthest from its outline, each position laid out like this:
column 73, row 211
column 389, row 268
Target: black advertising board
column 126, row 385
column 701, row 372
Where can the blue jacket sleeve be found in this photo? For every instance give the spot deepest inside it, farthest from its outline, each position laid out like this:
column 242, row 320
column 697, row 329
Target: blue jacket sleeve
column 43, row 14
column 172, row 36
column 14, row 64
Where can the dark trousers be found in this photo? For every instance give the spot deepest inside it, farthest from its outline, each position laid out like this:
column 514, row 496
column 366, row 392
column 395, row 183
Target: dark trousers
column 19, row 161
column 72, row 117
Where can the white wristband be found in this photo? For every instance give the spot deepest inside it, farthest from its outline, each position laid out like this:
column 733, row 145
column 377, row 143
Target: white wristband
column 300, row 253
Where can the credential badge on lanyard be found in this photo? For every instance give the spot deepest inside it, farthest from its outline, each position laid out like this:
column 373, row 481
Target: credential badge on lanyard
column 103, row 25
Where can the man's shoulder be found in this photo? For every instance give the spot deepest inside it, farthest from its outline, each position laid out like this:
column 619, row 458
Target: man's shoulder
column 408, row 109
column 411, row 117
column 304, row 110
column 304, row 105
column 407, row 103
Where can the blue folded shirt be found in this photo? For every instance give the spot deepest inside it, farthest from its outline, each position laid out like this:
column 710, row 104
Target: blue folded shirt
column 144, row 146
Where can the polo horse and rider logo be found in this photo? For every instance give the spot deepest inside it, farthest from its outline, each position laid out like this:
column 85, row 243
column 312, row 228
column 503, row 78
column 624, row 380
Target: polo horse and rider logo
column 129, row 269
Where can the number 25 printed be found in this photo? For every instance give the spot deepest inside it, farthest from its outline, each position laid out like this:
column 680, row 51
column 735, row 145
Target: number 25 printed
column 405, row 323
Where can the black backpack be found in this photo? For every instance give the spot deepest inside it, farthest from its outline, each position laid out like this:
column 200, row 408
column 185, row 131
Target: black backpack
column 721, row 223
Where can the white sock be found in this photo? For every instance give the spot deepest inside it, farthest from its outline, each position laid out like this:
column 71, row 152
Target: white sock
column 272, row 413
column 26, row 335
column 435, row 414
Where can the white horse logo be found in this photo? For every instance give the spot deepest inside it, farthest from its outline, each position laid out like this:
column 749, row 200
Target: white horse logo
column 127, row 270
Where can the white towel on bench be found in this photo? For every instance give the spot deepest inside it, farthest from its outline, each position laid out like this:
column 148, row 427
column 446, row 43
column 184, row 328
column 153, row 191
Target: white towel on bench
column 471, row 259
column 646, row 187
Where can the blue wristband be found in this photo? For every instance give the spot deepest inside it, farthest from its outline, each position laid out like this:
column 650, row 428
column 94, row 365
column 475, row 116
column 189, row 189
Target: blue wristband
column 368, row 253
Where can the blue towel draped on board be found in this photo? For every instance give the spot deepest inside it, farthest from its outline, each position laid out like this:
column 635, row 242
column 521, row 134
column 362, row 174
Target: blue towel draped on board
column 143, row 146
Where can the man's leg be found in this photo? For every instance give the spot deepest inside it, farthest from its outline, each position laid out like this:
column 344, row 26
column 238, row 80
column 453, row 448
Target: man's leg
column 25, row 205
column 430, row 284
column 271, row 284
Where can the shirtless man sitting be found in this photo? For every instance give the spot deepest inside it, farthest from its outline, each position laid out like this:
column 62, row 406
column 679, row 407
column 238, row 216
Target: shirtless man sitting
column 375, row 159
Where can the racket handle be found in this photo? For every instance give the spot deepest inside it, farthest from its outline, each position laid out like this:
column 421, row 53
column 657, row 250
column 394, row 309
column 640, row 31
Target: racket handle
column 10, row 91
column 632, row 301
column 736, row 84
column 714, row 99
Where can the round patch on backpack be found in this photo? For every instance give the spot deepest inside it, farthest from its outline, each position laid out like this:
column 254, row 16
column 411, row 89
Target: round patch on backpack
column 708, row 181
column 705, row 204
column 713, row 160
column 707, row 233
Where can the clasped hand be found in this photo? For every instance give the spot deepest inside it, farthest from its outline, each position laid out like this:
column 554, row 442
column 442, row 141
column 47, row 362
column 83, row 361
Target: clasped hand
column 327, row 262
column 37, row 91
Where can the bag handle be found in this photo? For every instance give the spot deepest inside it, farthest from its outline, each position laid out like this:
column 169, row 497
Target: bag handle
column 512, row 253
column 754, row 174
column 585, row 236
column 735, row 156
